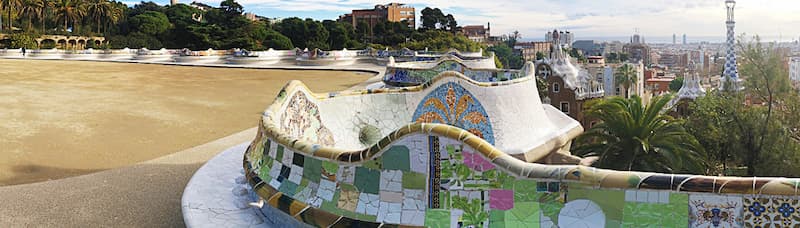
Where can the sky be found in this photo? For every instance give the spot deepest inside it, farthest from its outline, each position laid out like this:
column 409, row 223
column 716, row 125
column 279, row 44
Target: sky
column 657, row 19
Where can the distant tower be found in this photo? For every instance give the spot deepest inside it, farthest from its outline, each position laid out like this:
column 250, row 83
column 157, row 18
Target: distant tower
column 674, row 39
column 173, row 2
column 684, row 39
column 731, row 73
column 690, row 90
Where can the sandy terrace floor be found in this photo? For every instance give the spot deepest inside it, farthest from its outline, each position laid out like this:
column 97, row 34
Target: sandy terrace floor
column 67, row 118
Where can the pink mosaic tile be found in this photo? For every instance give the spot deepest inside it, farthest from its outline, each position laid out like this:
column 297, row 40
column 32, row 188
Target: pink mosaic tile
column 501, row 199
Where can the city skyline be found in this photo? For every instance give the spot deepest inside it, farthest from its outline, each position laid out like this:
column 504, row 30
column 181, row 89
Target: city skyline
column 608, row 20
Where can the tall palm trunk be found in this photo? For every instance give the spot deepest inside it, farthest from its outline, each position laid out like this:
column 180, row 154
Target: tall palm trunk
column 30, row 22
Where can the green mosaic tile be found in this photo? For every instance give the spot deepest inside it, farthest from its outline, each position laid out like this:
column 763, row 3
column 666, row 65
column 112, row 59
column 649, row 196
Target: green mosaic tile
column 288, row 188
column 298, row 190
column 551, row 210
column 264, row 171
column 303, row 182
column 525, row 191
column 331, row 205
column 373, row 164
column 312, row 169
column 524, row 213
column 447, row 171
column 347, row 187
column 611, row 201
column 444, row 197
column 366, row 217
column 496, row 216
column 412, row 180
column 367, row 180
column 279, row 154
column 330, row 169
column 269, row 162
column 398, row 158
column 437, row 218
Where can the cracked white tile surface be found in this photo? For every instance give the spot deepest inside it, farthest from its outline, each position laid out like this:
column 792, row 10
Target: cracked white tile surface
column 346, row 174
column 326, row 189
column 413, row 205
column 389, row 212
column 208, row 200
column 368, row 204
column 275, row 170
column 391, row 180
column 296, row 174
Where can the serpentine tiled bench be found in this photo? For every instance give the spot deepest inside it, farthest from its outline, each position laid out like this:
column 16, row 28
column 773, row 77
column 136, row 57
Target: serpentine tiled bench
column 456, row 152
column 417, row 73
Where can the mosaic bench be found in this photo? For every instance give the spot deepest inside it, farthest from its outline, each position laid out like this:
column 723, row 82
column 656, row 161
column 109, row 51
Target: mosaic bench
column 454, row 152
column 417, row 73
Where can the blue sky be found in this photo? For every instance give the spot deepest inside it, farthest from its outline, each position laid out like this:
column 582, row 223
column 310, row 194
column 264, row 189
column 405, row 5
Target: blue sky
column 586, row 18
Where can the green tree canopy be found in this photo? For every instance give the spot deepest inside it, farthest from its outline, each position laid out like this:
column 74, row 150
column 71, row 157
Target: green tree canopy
column 277, row 41
column 632, row 136
column 150, row 23
column 434, row 18
column 507, row 56
column 441, row 41
column 676, row 84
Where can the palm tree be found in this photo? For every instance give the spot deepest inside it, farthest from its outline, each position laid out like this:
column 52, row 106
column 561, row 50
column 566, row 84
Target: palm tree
column 626, row 76
column 99, row 9
column 9, row 6
column 31, row 8
column 69, row 11
column 632, row 136
column 43, row 13
column 115, row 14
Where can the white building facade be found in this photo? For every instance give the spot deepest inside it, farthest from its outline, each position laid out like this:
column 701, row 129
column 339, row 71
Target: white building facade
column 794, row 69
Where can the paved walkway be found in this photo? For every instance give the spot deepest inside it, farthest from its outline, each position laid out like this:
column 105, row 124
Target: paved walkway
column 147, row 194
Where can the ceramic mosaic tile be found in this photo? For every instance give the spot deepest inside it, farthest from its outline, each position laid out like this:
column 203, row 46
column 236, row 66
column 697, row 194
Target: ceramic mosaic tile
column 326, row 189
column 582, row 213
column 673, row 213
column 329, row 170
column 612, row 203
column 301, row 120
column 501, row 199
column 296, row 174
column 413, row 180
column 452, row 104
column 368, row 204
column 348, row 199
column 367, row 180
column 346, row 174
column 389, row 212
column 391, row 197
column 771, row 212
column 437, row 218
column 707, row 210
column 391, row 180
column 312, row 169
column 418, row 154
column 397, row 157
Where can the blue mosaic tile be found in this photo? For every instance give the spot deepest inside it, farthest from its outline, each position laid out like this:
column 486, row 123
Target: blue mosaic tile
column 442, row 106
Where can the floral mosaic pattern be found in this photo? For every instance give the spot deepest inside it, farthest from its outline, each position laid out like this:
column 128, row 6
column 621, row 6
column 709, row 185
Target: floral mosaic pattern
column 301, row 120
column 715, row 211
column 454, row 105
column 409, row 77
column 771, row 212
